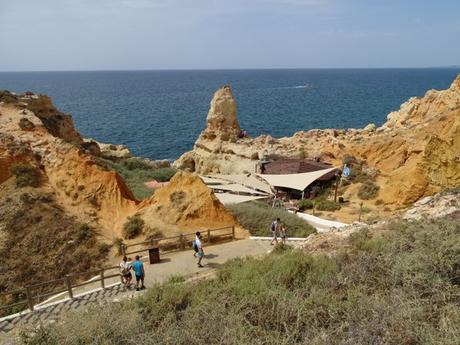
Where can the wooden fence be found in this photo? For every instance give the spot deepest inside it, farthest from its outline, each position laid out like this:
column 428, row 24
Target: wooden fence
column 179, row 242
column 30, row 299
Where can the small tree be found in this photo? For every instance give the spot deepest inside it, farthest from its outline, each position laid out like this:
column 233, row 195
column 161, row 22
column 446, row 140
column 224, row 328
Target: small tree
column 133, row 227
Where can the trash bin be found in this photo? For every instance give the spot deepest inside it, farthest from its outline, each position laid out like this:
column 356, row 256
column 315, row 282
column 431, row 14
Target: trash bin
column 154, row 255
column 341, row 200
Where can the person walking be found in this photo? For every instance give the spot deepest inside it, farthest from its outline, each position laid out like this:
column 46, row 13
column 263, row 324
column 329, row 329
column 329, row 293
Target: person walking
column 125, row 270
column 275, row 227
column 139, row 272
column 198, row 247
column 283, row 233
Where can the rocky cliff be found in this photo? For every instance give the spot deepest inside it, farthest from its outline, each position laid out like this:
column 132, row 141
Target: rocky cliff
column 34, row 134
column 415, row 153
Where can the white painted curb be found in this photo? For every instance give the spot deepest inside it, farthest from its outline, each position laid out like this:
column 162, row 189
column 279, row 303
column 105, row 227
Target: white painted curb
column 262, row 238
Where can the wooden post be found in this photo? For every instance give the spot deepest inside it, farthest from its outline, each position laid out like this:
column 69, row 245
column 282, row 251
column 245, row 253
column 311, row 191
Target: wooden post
column 209, row 236
column 69, row 286
column 181, row 240
column 233, row 232
column 30, row 300
column 102, row 279
column 360, row 210
column 337, row 179
column 123, row 249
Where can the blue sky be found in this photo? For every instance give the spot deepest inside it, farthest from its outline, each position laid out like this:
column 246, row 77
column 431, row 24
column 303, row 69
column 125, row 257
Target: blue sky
column 213, row 34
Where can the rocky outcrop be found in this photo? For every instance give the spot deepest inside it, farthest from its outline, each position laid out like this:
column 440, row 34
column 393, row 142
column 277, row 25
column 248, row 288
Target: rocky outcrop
column 87, row 191
column 222, row 122
column 109, row 151
column 185, row 203
column 436, row 206
column 79, row 185
column 416, row 152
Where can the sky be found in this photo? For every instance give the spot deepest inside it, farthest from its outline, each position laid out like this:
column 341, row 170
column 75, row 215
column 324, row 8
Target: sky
column 40, row 35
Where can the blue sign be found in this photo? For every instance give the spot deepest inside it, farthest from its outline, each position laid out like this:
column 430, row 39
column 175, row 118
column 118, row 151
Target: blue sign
column 346, row 171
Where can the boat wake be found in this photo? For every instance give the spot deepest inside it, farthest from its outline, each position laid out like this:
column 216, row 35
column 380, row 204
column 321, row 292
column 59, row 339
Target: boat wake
column 291, row 87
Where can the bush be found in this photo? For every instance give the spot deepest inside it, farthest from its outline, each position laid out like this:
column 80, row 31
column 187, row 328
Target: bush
column 257, row 217
column 305, row 204
column 85, row 233
column 26, row 175
column 118, row 244
column 400, row 287
column 326, row 205
column 152, row 234
column 104, row 248
column 136, row 164
column 368, row 190
column 133, row 227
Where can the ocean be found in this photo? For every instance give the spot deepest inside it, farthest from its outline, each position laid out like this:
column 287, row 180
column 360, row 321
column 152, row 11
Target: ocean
column 159, row 114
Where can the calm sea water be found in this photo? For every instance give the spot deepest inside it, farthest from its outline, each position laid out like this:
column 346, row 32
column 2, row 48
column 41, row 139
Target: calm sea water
column 159, row 114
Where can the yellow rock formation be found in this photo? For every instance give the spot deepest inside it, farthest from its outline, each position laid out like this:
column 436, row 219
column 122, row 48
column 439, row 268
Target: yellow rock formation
column 186, row 203
column 416, row 152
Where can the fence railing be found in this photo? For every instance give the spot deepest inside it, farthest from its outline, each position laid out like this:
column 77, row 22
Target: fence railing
column 180, row 242
column 27, row 297
column 30, row 299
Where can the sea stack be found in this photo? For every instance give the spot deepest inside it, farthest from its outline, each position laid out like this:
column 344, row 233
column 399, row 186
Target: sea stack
column 222, row 121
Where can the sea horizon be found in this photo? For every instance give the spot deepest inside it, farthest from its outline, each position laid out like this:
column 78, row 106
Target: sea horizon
column 231, row 69
column 158, row 114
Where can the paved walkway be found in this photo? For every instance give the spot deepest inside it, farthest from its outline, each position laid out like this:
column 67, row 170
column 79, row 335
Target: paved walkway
column 172, row 264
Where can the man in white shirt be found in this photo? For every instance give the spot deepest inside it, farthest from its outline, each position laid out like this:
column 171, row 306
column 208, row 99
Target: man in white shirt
column 198, row 246
column 125, row 269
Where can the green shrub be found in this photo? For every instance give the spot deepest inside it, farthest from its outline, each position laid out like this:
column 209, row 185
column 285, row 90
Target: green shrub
column 305, row 204
column 400, row 287
column 136, row 164
column 365, row 209
column 257, row 217
column 326, row 205
column 26, row 175
column 85, row 233
column 133, row 227
column 368, row 190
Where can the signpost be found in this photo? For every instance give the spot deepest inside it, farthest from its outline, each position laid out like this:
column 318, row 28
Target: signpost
column 345, row 173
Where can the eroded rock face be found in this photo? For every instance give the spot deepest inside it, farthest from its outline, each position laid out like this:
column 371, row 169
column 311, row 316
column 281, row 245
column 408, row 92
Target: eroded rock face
column 437, row 206
column 185, row 203
column 222, row 122
column 79, row 185
column 417, row 151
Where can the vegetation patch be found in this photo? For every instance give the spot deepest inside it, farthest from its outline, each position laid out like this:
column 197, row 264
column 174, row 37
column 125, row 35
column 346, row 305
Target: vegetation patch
column 133, row 227
column 26, row 175
column 326, row 205
column 136, row 172
column 305, row 204
column 368, row 190
column 401, row 287
column 257, row 217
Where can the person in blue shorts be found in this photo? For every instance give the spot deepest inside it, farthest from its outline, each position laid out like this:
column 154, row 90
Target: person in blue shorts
column 138, row 268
